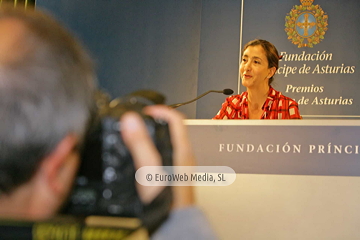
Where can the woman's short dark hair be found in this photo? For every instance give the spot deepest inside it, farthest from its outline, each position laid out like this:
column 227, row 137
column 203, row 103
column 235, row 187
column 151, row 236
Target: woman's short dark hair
column 271, row 52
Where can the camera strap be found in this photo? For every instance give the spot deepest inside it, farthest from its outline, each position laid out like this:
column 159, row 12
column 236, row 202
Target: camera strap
column 66, row 228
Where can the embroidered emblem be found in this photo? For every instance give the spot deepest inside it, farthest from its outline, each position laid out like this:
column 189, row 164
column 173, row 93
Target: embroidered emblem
column 306, row 24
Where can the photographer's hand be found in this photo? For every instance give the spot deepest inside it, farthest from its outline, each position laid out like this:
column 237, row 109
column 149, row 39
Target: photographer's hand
column 145, row 153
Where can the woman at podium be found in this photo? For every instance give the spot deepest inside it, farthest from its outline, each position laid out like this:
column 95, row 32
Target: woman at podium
column 260, row 60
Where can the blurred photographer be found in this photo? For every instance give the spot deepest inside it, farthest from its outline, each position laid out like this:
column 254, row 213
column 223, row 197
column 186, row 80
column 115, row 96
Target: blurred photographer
column 47, row 91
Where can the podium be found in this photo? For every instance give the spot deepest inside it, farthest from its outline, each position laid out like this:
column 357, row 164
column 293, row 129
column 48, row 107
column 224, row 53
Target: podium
column 293, row 147
column 308, row 190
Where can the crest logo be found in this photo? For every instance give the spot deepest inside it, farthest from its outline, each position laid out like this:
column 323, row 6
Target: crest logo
column 306, row 24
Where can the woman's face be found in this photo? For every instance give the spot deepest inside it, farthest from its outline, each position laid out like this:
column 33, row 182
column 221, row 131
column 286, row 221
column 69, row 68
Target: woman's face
column 254, row 70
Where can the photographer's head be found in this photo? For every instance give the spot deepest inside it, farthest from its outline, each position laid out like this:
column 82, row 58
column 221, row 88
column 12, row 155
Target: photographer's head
column 46, row 96
column 47, row 93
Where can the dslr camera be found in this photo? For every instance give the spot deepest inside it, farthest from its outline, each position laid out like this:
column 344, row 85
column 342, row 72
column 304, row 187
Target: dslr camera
column 105, row 184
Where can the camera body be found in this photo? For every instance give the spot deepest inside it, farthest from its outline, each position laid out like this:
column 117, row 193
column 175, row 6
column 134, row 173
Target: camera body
column 105, row 183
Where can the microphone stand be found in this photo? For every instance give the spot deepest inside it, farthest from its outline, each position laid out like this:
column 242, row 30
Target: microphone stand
column 180, row 104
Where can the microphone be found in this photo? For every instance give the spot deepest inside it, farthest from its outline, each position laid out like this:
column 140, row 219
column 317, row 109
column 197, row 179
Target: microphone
column 226, row 91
